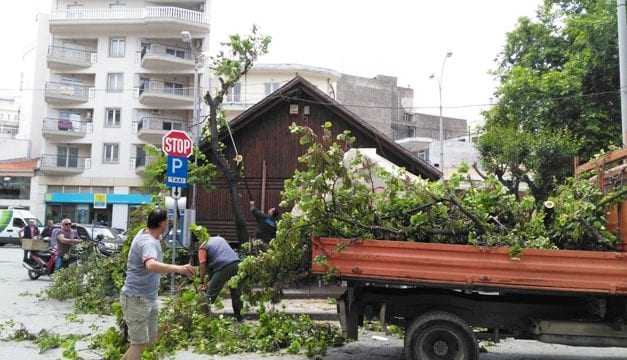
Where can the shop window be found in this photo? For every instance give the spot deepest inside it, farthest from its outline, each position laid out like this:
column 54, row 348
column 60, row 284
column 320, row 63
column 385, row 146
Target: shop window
column 14, row 188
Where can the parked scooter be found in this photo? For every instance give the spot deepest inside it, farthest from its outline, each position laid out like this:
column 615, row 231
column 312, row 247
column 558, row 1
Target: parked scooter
column 38, row 263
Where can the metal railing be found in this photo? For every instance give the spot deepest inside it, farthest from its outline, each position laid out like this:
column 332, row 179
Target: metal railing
column 141, row 161
column 146, row 13
column 65, row 89
column 156, row 123
column 82, row 56
column 63, row 161
column 51, row 124
column 167, row 51
column 8, row 131
column 161, row 88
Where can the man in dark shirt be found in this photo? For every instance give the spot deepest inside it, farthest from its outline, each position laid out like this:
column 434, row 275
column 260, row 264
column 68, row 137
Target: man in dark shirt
column 217, row 257
column 266, row 224
column 47, row 231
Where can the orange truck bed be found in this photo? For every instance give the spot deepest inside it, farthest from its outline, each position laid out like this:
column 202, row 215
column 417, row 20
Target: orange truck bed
column 466, row 266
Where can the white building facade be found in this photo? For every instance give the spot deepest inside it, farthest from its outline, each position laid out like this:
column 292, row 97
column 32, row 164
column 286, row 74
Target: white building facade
column 263, row 79
column 110, row 76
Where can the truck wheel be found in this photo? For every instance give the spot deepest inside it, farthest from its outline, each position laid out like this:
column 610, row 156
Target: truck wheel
column 440, row 336
column 33, row 275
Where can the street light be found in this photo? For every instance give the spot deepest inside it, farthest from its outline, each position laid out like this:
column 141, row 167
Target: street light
column 439, row 80
column 186, row 36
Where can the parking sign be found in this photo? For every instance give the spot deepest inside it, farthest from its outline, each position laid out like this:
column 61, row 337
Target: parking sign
column 176, row 174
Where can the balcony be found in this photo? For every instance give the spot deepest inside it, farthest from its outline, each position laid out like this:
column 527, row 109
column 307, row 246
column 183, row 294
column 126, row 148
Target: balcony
column 52, row 164
column 64, row 58
column 151, row 20
column 152, row 129
column 60, row 93
column 64, row 129
column 139, row 163
column 164, row 58
column 8, row 131
column 163, row 94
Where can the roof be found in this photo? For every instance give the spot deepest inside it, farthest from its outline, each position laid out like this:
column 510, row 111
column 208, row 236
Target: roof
column 18, row 166
column 319, row 97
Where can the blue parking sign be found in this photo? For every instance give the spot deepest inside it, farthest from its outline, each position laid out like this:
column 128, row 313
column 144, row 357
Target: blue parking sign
column 176, row 175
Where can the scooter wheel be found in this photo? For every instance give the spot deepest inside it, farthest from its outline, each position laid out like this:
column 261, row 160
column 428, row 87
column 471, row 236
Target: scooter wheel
column 33, row 275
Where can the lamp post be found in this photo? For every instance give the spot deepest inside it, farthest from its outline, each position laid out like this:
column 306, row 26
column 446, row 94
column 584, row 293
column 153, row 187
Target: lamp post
column 186, row 36
column 439, row 80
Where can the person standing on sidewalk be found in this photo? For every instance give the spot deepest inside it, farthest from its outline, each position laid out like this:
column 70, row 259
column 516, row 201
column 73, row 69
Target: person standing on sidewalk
column 139, row 293
column 216, row 256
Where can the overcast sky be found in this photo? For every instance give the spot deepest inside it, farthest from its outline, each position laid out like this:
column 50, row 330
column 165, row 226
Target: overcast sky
column 406, row 39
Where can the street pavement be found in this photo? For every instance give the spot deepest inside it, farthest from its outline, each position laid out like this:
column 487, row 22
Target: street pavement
column 18, row 302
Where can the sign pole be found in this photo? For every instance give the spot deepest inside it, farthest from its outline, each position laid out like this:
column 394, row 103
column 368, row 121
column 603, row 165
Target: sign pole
column 176, row 195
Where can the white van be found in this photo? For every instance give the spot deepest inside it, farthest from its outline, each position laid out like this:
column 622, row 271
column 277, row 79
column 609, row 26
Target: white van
column 11, row 222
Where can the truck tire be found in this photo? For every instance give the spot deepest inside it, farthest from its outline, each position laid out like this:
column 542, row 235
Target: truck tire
column 440, row 335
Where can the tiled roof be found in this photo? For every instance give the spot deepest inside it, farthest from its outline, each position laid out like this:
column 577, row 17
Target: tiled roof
column 18, row 165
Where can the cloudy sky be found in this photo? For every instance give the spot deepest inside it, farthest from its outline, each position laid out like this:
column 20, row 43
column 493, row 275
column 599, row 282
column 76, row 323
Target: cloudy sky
column 406, row 39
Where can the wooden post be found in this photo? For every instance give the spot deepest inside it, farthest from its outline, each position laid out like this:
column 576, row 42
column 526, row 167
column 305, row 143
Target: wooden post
column 263, row 187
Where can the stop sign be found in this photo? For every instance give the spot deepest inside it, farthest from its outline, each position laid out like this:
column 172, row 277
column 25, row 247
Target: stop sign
column 177, row 143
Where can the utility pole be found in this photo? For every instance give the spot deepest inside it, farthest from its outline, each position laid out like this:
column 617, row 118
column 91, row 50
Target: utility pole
column 440, row 80
column 622, row 56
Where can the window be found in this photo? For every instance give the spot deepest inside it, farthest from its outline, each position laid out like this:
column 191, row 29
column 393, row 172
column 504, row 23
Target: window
column 173, row 88
column 15, row 188
column 112, row 118
column 400, row 131
column 115, row 82
column 111, row 153
column 17, row 222
column 55, row 189
column 117, row 47
column 175, row 52
column 235, row 94
column 67, row 156
column 172, row 125
column 271, row 87
column 423, row 154
column 408, row 117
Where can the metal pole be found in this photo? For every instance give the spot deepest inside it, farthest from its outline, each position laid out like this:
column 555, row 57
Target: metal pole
column 197, row 128
column 622, row 48
column 441, row 128
column 176, row 196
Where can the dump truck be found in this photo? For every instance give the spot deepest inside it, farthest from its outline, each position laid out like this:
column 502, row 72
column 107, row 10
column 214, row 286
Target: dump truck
column 448, row 297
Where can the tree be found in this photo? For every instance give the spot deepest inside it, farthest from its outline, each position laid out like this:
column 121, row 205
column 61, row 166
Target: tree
column 541, row 160
column 559, row 72
column 229, row 68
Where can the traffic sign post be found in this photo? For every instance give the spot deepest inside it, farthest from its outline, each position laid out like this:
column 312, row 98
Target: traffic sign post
column 178, row 146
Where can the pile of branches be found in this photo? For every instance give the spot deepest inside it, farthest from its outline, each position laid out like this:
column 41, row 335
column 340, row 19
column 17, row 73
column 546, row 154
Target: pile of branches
column 334, row 197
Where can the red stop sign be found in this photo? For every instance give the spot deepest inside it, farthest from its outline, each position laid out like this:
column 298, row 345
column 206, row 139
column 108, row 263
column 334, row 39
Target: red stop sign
column 177, row 143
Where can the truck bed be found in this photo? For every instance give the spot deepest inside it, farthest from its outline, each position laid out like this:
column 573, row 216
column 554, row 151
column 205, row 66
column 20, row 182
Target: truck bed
column 471, row 267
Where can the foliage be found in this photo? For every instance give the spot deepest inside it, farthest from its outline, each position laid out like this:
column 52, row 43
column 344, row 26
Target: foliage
column 559, row 80
column 47, row 340
column 185, row 324
column 95, row 281
column 332, row 196
column 201, row 171
column 540, row 159
column 229, row 66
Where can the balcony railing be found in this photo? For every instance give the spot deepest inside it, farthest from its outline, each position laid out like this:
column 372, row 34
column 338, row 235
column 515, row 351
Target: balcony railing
column 65, row 126
column 8, row 131
column 155, row 87
column 69, row 91
column 146, row 13
column 63, row 162
column 157, row 124
column 167, row 51
column 71, row 55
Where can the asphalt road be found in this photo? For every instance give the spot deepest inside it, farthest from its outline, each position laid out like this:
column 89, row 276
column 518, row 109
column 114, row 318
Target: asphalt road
column 18, row 302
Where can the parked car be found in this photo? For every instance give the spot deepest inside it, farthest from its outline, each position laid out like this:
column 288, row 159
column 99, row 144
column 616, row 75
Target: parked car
column 11, row 222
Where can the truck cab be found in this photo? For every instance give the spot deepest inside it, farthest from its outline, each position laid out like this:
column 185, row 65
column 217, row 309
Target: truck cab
column 11, row 223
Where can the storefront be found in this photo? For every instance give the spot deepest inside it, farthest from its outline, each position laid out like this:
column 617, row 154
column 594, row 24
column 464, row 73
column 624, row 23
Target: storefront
column 88, row 208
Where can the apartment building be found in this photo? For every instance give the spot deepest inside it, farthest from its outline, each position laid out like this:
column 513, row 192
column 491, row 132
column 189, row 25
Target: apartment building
column 110, row 76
